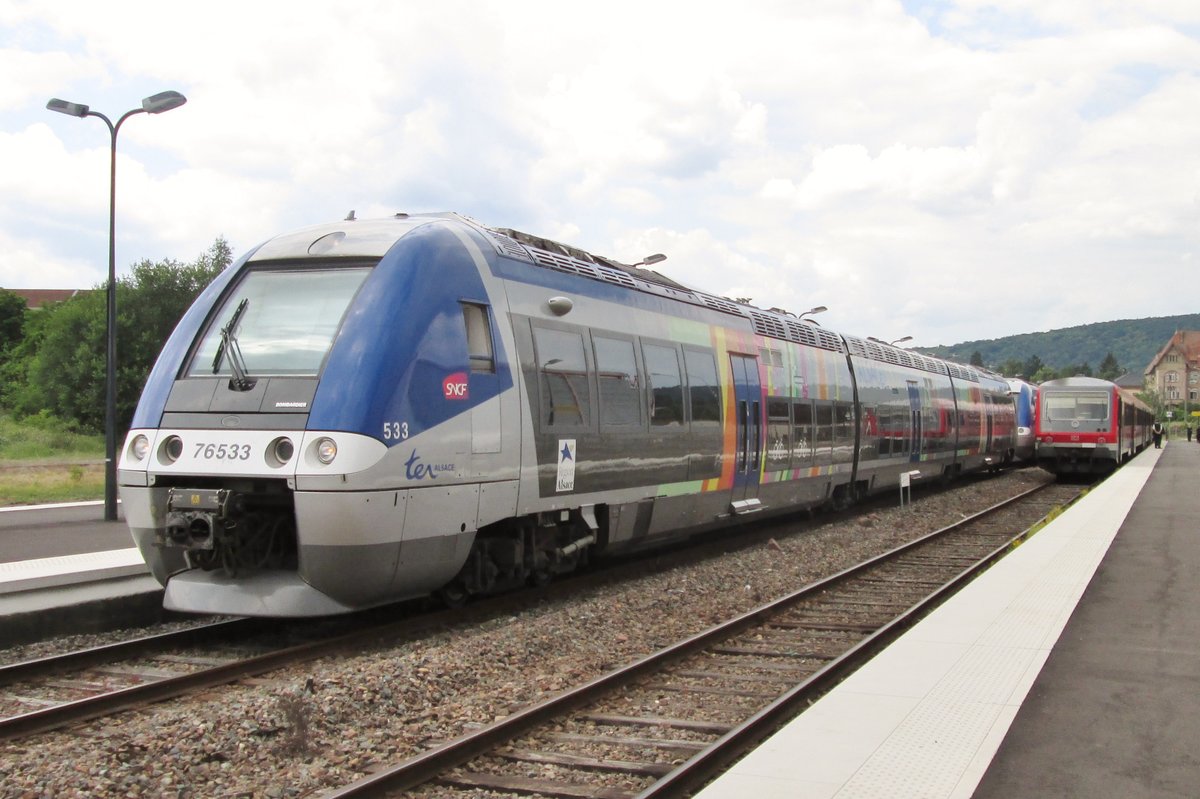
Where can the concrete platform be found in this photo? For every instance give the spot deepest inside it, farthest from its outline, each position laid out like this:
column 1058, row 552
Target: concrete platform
column 966, row 704
column 56, row 577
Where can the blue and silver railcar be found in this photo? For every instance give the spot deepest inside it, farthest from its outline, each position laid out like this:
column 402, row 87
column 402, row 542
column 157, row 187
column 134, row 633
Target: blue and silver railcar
column 362, row 412
column 1025, row 398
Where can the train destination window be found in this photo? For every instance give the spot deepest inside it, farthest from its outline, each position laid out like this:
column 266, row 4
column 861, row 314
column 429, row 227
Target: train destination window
column 479, row 337
column 704, row 389
column 286, row 324
column 563, row 375
column 666, row 385
column 617, row 380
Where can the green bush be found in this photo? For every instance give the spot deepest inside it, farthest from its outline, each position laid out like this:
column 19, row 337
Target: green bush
column 43, row 437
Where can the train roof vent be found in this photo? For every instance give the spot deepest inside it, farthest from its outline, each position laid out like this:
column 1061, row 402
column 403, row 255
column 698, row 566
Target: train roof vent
column 829, row 341
column 564, row 263
column 802, row 333
column 721, row 304
column 768, row 325
column 873, row 350
column 508, row 246
column 933, row 365
column 961, row 372
column 617, row 276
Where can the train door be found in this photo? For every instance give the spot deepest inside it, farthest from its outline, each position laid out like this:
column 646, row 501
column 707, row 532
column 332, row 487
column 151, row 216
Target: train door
column 747, row 401
column 990, row 425
column 918, row 437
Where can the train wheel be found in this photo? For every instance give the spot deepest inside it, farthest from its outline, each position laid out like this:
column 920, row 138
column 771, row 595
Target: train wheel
column 454, row 594
column 539, row 576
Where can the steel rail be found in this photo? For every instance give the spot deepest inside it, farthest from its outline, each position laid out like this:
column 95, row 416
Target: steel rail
column 56, row 716
column 105, row 653
column 425, row 766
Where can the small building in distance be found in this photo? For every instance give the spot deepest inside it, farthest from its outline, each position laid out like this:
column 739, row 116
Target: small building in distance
column 36, row 298
column 1174, row 374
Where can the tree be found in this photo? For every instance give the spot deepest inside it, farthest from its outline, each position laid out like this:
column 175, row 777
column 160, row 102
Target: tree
column 1043, row 374
column 12, row 319
column 64, row 370
column 1078, row 370
column 1109, row 368
column 977, row 358
column 1033, row 365
column 1014, row 367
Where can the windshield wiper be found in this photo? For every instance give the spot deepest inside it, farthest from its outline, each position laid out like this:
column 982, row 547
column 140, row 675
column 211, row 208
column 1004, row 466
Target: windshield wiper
column 229, row 346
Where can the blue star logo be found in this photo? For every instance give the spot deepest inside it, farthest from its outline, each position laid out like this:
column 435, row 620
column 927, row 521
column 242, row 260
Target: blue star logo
column 566, row 453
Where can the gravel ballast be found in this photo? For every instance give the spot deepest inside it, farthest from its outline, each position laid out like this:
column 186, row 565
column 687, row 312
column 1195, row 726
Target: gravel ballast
column 303, row 730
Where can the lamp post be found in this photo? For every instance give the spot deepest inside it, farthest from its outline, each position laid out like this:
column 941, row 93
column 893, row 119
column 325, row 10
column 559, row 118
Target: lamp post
column 818, row 309
column 901, row 340
column 155, row 104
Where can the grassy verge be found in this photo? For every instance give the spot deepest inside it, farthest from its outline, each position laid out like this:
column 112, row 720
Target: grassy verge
column 43, row 460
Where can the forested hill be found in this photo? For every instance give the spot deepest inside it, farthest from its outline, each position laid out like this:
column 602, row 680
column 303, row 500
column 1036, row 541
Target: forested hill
column 1134, row 342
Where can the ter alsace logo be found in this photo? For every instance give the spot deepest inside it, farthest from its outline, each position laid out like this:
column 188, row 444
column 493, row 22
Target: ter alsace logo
column 454, row 387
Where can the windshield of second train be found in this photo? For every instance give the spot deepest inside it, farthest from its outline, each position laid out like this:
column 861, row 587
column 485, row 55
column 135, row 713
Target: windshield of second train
column 1084, row 406
column 287, row 325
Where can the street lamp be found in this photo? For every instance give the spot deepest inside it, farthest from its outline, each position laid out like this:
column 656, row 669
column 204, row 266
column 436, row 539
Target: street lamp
column 154, row 104
column 901, row 340
column 818, row 309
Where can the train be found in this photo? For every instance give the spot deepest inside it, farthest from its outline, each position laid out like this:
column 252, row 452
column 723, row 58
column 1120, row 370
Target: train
column 1087, row 426
column 1024, row 396
column 367, row 411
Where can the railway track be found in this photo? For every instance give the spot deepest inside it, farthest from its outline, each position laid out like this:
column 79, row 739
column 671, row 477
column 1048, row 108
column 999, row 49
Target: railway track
column 665, row 724
column 54, row 691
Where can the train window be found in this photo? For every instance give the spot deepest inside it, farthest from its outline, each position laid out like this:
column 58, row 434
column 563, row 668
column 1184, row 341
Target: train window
column 617, row 381
column 893, row 430
column 823, row 434
column 704, row 387
column 1084, row 406
column 779, row 435
column 666, row 385
column 563, row 375
column 286, row 324
column 802, row 441
column 479, row 337
column 843, row 432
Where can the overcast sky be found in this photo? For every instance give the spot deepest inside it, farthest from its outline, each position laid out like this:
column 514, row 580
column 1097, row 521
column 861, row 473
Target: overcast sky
column 945, row 170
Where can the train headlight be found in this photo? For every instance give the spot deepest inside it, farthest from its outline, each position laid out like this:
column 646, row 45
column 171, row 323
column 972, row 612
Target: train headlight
column 139, row 448
column 282, row 449
column 172, row 448
column 326, row 450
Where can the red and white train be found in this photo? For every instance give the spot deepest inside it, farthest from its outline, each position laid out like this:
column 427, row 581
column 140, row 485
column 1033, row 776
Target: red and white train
column 1085, row 425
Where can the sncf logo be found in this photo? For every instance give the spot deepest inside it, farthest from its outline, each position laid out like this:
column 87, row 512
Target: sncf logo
column 454, row 387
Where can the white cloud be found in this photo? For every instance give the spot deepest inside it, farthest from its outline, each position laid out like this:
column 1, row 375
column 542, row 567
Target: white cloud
column 917, row 170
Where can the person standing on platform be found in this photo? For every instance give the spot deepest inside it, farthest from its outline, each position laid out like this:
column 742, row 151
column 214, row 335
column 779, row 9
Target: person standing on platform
column 1189, row 429
column 1157, row 432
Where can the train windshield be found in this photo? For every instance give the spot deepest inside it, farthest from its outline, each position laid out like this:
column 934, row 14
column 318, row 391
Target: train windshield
column 1083, row 406
column 277, row 322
